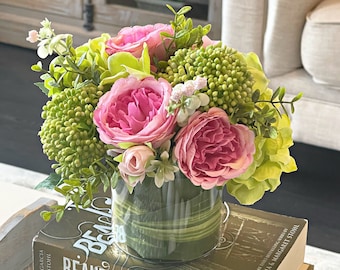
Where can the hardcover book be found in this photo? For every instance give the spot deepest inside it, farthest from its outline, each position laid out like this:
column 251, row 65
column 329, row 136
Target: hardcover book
column 250, row 239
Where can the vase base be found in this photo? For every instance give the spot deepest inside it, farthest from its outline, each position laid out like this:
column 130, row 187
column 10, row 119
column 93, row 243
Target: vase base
column 226, row 240
column 132, row 253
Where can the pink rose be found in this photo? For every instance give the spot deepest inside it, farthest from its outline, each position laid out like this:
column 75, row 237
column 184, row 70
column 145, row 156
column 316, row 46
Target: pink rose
column 135, row 111
column 210, row 150
column 132, row 167
column 131, row 39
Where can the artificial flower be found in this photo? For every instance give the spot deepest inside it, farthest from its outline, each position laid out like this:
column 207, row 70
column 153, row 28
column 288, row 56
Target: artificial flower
column 135, row 111
column 131, row 39
column 159, row 99
column 210, row 150
column 133, row 164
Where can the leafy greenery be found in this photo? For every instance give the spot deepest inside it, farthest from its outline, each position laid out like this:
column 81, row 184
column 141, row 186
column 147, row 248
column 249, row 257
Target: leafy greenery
column 185, row 34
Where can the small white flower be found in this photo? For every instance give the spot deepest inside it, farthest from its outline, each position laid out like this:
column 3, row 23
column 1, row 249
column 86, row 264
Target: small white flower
column 182, row 117
column 204, row 98
column 200, row 82
column 33, row 36
column 46, row 23
column 189, row 88
column 45, row 33
column 193, row 103
column 42, row 52
column 177, row 93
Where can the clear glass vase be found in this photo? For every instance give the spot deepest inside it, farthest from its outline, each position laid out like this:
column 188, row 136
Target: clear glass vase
column 178, row 222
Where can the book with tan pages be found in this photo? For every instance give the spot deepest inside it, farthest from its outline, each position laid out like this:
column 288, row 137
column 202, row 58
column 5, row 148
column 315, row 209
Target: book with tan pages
column 251, row 239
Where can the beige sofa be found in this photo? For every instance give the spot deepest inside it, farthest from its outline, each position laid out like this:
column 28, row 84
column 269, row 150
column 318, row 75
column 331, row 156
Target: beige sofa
column 299, row 46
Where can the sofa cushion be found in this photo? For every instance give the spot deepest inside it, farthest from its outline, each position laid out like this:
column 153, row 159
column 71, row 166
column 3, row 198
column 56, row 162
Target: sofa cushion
column 243, row 25
column 320, row 43
column 285, row 23
column 316, row 120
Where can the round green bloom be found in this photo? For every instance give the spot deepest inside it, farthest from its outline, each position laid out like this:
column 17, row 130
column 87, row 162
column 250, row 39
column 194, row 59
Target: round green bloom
column 230, row 84
column 68, row 134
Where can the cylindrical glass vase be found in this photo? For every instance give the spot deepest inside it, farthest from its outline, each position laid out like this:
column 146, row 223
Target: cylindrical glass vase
column 175, row 223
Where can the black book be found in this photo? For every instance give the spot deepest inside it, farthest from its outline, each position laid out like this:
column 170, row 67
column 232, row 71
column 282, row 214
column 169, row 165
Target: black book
column 251, row 239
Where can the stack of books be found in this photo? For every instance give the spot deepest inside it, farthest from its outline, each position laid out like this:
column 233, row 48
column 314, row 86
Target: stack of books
column 251, row 239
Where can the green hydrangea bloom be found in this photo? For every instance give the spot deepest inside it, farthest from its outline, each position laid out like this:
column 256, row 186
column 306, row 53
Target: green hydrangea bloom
column 272, row 157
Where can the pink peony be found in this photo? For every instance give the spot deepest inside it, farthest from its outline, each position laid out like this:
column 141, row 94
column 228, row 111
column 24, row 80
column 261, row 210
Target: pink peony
column 135, row 111
column 210, row 150
column 131, row 39
column 132, row 167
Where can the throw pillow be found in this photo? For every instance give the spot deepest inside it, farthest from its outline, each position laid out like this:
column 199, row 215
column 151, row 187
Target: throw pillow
column 320, row 43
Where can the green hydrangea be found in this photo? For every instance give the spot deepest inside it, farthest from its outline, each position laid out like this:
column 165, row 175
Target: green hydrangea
column 271, row 159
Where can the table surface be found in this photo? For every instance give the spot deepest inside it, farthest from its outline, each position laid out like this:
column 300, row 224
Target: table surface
column 320, row 258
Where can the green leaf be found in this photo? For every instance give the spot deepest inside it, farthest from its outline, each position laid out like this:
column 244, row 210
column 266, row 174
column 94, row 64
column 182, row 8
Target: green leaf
column 118, row 158
column 188, row 24
column 42, row 87
column 166, row 35
column 86, row 203
column 105, row 180
column 171, row 9
column 272, row 132
column 256, row 95
column 59, row 215
column 46, row 215
column 184, row 10
column 69, row 41
column 206, row 29
column 114, row 179
column 282, row 93
column 145, row 59
column 110, row 80
column 50, row 182
column 297, row 97
column 81, row 59
column 115, row 62
column 61, row 191
column 72, row 64
column 275, row 94
column 126, row 145
column 73, row 182
column 89, row 193
column 37, row 67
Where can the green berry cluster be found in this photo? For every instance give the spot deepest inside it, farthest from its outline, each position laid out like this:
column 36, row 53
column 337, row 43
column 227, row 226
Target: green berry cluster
column 229, row 81
column 68, row 134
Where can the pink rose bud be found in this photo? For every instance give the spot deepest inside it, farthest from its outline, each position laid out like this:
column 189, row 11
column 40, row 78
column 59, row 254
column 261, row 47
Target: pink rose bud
column 132, row 168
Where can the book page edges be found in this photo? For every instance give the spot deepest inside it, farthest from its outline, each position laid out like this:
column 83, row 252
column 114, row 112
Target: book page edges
column 297, row 252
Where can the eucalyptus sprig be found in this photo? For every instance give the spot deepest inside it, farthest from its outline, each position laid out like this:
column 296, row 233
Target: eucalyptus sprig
column 277, row 100
column 265, row 115
column 80, row 191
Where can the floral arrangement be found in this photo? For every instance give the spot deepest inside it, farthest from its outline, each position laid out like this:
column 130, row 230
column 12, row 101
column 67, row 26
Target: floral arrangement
column 155, row 100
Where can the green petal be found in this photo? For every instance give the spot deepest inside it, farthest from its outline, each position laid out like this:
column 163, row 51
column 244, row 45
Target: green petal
column 267, row 170
column 243, row 194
